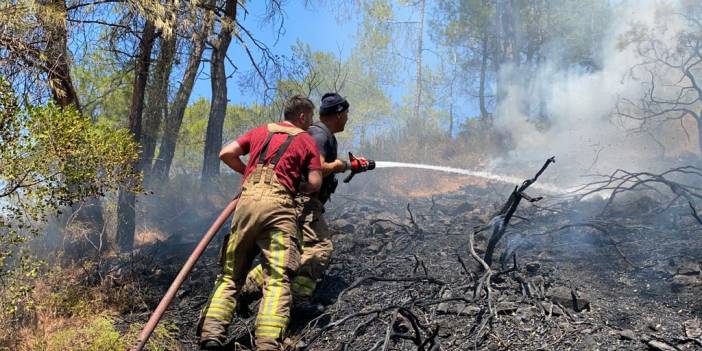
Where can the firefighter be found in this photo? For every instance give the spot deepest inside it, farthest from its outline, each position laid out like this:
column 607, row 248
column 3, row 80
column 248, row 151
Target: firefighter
column 317, row 246
column 265, row 222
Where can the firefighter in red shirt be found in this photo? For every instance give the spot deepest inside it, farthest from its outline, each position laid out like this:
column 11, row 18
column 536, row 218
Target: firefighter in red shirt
column 265, row 222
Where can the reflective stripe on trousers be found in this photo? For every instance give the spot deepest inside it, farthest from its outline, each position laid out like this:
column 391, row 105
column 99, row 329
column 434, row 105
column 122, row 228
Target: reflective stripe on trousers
column 317, row 249
column 264, row 222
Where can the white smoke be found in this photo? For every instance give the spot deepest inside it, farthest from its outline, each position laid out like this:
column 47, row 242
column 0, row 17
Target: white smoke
column 584, row 134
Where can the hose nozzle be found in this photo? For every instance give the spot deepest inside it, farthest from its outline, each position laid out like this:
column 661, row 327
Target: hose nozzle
column 358, row 165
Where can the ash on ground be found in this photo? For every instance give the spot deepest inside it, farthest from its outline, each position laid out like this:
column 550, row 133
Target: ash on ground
column 566, row 276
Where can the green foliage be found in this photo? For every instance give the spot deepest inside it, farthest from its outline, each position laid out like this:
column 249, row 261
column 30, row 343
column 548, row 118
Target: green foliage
column 74, row 312
column 353, row 78
column 483, row 38
column 27, row 26
column 19, row 269
column 100, row 333
column 104, row 88
column 571, row 29
column 164, row 338
column 191, row 141
column 55, row 157
column 51, row 158
column 71, row 300
column 375, row 39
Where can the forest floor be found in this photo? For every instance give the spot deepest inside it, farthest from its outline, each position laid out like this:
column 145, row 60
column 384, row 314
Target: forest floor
column 566, row 276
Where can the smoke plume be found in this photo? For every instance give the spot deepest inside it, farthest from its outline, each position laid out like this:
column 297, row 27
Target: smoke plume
column 581, row 126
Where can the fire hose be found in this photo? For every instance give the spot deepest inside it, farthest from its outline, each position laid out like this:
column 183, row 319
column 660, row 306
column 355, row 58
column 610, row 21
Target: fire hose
column 357, row 165
column 180, row 278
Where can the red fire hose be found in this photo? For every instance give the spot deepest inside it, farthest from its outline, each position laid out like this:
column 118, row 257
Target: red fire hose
column 178, row 281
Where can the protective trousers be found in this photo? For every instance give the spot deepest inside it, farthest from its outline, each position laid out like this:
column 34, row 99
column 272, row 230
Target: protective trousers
column 317, row 250
column 264, row 222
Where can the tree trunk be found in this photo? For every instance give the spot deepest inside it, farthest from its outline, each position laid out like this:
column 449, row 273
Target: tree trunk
column 420, row 48
column 126, row 201
column 59, row 72
column 450, row 130
column 64, row 93
column 699, row 134
column 505, row 45
column 483, row 73
column 509, row 41
column 171, row 128
column 218, row 106
column 497, row 51
column 157, row 103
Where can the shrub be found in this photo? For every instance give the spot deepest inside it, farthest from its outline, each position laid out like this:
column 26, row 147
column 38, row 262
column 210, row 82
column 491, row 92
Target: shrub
column 51, row 158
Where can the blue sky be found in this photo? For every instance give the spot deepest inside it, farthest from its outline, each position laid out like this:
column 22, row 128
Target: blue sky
column 327, row 29
column 319, row 26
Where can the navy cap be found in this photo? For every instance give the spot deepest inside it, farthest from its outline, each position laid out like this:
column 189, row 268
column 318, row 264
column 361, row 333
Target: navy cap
column 333, row 103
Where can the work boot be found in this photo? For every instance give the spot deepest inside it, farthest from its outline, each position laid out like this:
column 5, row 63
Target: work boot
column 211, row 345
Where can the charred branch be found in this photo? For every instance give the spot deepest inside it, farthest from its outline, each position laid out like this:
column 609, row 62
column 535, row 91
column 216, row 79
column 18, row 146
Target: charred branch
column 622, row 181
column 499, row 222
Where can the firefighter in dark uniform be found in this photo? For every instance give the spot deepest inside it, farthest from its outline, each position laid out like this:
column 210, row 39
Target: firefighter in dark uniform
column 317, row 246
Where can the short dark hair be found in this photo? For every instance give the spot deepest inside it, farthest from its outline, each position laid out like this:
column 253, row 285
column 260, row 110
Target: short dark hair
column 295, row 105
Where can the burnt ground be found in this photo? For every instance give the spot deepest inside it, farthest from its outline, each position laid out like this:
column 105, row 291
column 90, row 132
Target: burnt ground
column 566, row 276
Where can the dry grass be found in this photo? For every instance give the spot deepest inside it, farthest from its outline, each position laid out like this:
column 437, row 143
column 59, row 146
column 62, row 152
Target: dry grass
column 424, row 183
column 72, row 314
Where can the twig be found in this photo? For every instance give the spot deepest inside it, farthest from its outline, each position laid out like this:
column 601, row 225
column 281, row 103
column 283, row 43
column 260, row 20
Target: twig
column 484, row 281
column 388, row 331
column 414, row 224
column 363, row 280
column 417, row 264
column 599, row 226
column 403, row 226
column 621, row 181
column 344, row 320
column 463, row 264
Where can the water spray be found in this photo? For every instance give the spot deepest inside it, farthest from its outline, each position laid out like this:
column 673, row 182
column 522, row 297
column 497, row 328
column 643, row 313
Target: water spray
column 480, row 174
column 357, row 165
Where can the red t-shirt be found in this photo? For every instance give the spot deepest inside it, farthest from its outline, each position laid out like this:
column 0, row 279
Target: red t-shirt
column 301, row 156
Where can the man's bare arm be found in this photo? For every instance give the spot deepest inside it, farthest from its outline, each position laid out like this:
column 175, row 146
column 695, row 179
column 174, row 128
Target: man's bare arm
column 313, row 184
column 337, row 166
column 231, row 156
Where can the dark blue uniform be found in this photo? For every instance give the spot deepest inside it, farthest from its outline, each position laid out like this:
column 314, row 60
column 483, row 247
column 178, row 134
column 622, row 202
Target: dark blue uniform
column 326, row 142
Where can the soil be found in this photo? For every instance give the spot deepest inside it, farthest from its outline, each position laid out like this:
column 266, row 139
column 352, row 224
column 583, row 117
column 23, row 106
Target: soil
column 402, row 277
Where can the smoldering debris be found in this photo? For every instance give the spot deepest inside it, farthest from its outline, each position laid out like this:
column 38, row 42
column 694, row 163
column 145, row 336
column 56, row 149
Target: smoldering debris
column 567, row 274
